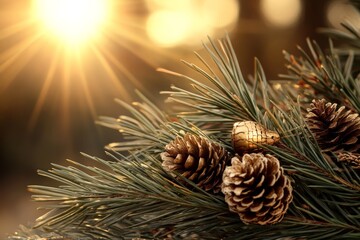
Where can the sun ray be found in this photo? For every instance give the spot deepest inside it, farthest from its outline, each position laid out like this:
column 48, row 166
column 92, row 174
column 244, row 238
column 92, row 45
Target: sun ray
column 15, row 28
column 12, row 54
column 15, row 59
column 33, row 35
column 27, row 41
column 131, row 36
column 44, row 90
column 111, row 73
column 117, row 63
column 132, row 44
column 65, row 94
column 85, row 87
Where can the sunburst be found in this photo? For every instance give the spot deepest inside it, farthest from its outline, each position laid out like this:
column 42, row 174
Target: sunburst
column 69, row 42
column 73, row 22
column 74, row 44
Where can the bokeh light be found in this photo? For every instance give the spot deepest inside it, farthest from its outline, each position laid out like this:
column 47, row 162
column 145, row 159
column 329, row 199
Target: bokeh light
column 154, row 5
column 161, row 29
column 73, row 21
column 185, row 22
column 219, row 14
column 281, row 13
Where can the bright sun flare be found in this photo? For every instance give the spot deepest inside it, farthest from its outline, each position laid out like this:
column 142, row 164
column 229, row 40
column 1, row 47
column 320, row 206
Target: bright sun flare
column 73, row 21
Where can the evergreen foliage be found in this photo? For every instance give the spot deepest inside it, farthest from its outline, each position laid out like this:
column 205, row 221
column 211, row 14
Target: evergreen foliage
column 131, row 196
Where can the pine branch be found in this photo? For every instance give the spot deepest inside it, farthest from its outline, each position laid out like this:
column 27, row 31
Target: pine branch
column 301, row 153
column 215, row 109
column 356, row 3
column 329, row 195
column 314, row 174
column 147, row 129
column 230, row 100
column 134, row 197
column 124, row 200
column 140, row 132
column 325, row 75
column 350, row 35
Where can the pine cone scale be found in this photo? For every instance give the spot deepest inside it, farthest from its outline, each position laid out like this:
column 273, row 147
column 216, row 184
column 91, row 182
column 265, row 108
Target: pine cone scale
column 351, row 141
column 201, row 164
column 350, row 158
column 189, row 162
column 259, row 195
column 186, row 174
column 179, row 159
column 261, row 182
column 256, row 207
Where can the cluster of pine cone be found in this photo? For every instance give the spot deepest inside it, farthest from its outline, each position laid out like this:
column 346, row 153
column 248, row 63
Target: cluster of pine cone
column 254, row 185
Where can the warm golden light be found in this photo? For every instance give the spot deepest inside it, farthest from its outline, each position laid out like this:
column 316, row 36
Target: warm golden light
column 184, row 22
column 160, row 26
column 281, row 13
column 219, row 14
column 73, row 21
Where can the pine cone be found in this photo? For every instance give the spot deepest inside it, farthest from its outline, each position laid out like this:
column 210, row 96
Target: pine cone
column 256, row 188
column 197, row 159
column 334, row 128
column 351, row 158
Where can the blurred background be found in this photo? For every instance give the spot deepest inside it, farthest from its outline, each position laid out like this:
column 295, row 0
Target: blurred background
column 62, row 64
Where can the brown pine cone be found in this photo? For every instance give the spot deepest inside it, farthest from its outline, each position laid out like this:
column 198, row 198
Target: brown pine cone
column 334, row 128
column 256, row 188
column 351, row 158
column 197, row 159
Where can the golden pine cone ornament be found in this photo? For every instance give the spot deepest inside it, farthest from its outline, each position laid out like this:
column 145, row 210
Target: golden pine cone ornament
column 256, row 188
column 197, row 159
column 352, row 159
column 247, row 135
column 334, row 128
